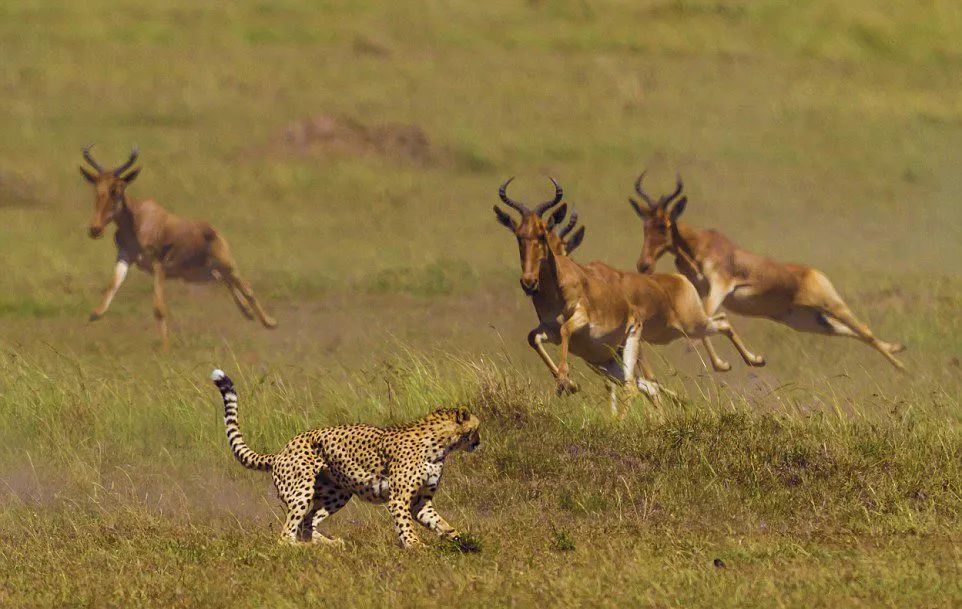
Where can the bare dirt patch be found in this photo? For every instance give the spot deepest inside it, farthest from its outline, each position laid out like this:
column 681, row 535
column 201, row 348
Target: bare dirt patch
column 24, row 483
column 15, row 191
column 323, row 134
column 203, row 494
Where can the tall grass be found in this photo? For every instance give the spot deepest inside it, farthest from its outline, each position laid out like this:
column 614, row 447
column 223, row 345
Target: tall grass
column 121, row 490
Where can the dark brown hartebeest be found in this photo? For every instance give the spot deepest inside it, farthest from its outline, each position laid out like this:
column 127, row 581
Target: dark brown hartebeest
column 161, row 243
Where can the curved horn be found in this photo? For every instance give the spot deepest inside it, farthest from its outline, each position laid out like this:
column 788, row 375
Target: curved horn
column 641, row 193
column 576, row 239
column 133, row 158
column 573, row 220
column 90, row 159
column 664, row 201
column 558, row 195
column 503, row 193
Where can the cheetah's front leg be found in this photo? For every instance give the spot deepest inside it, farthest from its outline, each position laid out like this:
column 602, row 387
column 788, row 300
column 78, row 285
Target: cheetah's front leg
column 423, row 510
column 400, row 508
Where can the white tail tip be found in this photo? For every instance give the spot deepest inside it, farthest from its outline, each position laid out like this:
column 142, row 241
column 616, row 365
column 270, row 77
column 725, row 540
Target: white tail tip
column 217, row 374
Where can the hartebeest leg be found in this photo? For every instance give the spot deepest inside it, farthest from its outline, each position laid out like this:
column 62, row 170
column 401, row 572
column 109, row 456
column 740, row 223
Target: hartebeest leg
column 644, row 366
column 611, row 371
column 647, row 383
column 238, row 299
column 613, row 399
column 245, row 289
column 577, row 321
column 842, row 315
column 834, row 316
column 721, row 325
column 650, row 387
column 835, row 322
column 536, row 340
column 120, row 273
column 223, row 262
column 160, row 305
column 621, row 372
column 717, row 363
column 630, row 355
column 712, row 302
column 235, row 295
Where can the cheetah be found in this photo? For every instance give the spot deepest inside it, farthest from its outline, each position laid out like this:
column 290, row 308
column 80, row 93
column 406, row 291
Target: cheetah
column 319, row 471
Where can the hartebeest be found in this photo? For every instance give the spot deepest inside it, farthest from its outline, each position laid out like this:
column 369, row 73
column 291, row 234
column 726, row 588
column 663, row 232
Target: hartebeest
column 798, row 296
column 597, row 312
column 160, row 243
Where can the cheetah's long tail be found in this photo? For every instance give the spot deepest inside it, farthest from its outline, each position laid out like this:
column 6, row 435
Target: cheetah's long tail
column 247, row 457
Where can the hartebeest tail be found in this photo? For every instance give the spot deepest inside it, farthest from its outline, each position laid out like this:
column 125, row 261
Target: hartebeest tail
column 160, row 243
column 796, row 295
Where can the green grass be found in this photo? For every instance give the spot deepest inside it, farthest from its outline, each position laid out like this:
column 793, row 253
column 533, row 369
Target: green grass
column 821, row 509
column 820, row 132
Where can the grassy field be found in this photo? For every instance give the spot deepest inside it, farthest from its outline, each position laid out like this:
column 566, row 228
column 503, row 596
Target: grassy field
column 821, row 132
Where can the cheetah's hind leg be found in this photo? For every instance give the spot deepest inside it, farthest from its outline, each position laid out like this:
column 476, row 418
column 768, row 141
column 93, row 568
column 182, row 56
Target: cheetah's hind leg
column 327, row 500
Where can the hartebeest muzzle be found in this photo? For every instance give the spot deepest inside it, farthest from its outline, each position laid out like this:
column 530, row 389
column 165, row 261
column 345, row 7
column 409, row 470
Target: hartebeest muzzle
column 647, row 261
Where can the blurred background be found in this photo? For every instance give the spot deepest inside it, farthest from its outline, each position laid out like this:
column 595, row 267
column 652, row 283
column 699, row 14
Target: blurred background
column 351, row 152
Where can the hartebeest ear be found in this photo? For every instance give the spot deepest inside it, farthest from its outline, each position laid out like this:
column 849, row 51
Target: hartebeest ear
column 557, row 216
column 505, row 219
column 89, row 176
column 575, row 240
column 641, row 210
column 678, row 208
column 130, row 177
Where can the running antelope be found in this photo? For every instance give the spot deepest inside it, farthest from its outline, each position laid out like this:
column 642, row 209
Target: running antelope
column 160, row 243
column 746, row 283
column 597, row 312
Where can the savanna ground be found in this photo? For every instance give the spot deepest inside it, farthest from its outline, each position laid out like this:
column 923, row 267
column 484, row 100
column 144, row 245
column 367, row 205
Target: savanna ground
column 351, row 152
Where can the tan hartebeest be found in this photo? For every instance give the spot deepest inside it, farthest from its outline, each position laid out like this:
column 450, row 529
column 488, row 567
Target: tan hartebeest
column 160, row 243
column 597, row 312
column 746, row 283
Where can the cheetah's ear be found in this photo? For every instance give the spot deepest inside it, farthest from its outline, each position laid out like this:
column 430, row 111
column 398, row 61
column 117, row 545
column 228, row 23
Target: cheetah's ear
column 461, row 415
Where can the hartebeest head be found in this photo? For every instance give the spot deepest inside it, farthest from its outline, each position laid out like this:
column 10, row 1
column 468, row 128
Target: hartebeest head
column 659, row 223
column 533, row 232
column 110, row 185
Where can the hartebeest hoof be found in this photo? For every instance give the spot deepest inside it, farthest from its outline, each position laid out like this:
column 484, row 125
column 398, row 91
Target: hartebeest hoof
column 896, row 348
column 721, row 366
column 566, row 387
column 758, row 361
column 94, row 316
column 270, row 323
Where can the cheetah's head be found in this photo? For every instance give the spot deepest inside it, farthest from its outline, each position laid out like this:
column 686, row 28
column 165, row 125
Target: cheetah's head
column 466, row 436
